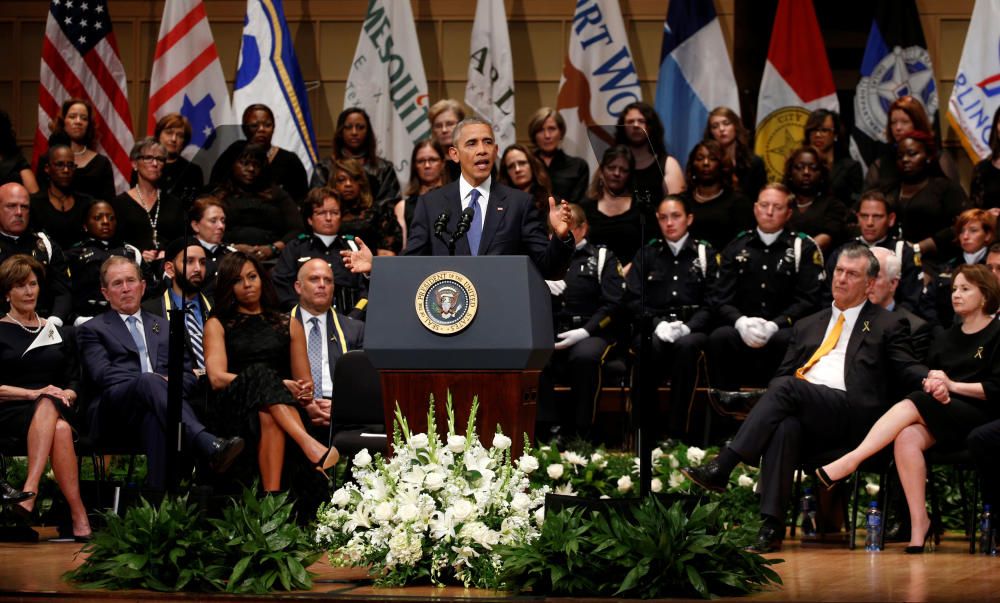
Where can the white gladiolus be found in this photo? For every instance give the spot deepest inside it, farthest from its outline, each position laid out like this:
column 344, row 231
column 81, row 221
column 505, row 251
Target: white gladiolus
column 695, row 455
column 656, row 485
column 362, row 458
column 624, row 483
column 555, row 470
column 456, row 443
column 527, row 463
column 501, row 441
column 745, row 481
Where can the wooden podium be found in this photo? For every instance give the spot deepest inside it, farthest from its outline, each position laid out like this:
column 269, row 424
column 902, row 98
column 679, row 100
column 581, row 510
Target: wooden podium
column 497, row 354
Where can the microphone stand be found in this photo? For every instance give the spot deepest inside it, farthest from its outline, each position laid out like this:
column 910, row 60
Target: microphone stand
column 175, row 389
column 441, row 229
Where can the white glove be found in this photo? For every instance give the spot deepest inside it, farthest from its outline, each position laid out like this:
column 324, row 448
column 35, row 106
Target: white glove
column 680, row 329
column 752, row 331
column 663, row 332
column 570, row 338
column 743, row 324
column 768, row 328
column 556, row 287
column 80, row 320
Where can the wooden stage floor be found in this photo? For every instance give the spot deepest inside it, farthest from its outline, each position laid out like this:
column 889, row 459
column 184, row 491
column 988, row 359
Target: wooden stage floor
column 29, row 572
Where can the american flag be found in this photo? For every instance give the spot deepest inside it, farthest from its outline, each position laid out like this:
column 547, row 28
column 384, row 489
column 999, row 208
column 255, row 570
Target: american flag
column 80, row 59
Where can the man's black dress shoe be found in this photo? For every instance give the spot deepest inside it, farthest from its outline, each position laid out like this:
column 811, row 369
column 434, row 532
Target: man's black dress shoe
column 768, row 540
column 11, row 495
column 709, row 476
column 224, row 452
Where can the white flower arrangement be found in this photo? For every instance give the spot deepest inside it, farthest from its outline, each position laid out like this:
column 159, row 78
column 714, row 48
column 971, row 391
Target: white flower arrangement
column 435, row 510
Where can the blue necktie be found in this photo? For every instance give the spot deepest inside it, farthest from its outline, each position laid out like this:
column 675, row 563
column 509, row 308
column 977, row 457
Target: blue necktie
column 476, row 228
column 195, row 335
column 315, row 349
column 140, row 343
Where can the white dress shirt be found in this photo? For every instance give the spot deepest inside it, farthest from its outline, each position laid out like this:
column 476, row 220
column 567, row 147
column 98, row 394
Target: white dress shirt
column 829, row 370
column 327, row 379
column 465, row 190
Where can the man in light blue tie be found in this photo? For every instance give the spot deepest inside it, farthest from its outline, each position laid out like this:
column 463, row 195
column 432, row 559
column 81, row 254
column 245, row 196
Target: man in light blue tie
column 505, row 221
column 125, row 353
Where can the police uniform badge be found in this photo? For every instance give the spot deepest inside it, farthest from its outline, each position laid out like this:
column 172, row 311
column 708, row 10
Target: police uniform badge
column 446, row 302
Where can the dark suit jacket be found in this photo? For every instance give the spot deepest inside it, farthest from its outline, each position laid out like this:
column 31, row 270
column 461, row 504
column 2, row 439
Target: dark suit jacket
column 879, row 361
column 111, row 360
column 512, row 227
column 354, row 334
column 920, row 332
column 164, row 302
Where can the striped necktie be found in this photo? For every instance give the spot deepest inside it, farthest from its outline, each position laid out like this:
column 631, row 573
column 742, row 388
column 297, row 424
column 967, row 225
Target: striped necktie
column 195, row 335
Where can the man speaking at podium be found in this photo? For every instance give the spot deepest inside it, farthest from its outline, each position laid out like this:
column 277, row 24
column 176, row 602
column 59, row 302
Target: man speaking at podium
column 479, row 216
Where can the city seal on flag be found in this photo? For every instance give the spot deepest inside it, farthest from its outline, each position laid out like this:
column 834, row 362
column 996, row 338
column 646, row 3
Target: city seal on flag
column 902, row 72
column 446, row 302
column 779, row 134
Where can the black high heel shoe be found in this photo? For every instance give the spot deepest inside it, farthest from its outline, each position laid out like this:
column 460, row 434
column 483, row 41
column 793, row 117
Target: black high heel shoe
column 927, row 546
column 330, row 458
column 826, row 480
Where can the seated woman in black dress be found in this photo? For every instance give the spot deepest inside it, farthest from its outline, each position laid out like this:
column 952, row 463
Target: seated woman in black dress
column 749, row 174
column 355, row 139
column 13, row 166
column 926, row 202
column 521, row 170
column 960, row 393
column 569, row 175
column 147, row 216
column 181, row 178
column 719, row 212
column 59, row 209
column 39, row 376
column 975, row 231
column 427, row 172
column 256, row 362
column 906, row 115
column 94, row 174
column 815, row 212
column 656, row 173
column 823, row 133
column 260, row 217
column 360, row 214
column 614, row 216
column 984, row 191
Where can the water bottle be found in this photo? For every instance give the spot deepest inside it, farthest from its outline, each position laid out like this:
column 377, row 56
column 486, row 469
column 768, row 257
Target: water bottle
column 808, row 509
column 873, row 524
column 987, row 534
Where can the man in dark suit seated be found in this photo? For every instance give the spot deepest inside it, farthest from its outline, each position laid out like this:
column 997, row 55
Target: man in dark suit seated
column 504, row 220
column 125, row 353
column 329, row 335
column 831, row 387
column 884, row 294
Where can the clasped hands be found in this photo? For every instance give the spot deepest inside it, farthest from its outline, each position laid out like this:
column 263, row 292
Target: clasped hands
column 318, row 409
column 755, row 331
column 66, row 396
column 669, row 332
column 938, row 385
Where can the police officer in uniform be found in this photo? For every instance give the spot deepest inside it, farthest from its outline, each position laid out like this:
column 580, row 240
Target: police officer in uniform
column 321, row 211
column 584, row 306
column 876, row 218
column 678, row 272
column 769, row 277
column 55, row 302
column 85, row 259
column 208, row 223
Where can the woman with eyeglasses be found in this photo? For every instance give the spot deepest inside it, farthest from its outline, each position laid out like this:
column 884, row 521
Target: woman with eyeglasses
column 60, row 209
column 147, row 217
column 427, row 172
column 822, row 132
column 94, row 174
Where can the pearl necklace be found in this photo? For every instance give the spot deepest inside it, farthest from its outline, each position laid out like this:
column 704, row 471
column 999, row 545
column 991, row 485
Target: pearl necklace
column 703, row 199
column 27, row 329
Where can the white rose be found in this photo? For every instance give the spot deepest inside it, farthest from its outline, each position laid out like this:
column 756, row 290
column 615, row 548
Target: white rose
column 501, row 441
column 462, row 510
column 419, row 440
column 657, row 453
column 745, row 481
column 383, row 512
column 695, row 455
column 527, row 463
column 656, row 485
column 555, row 470
column 456, row 443
column 520, row 502
column 676, row 479
column 362, row 458
column 540, row 515
column 871, row 489
column 596, row 458
column 408, row 512
column 341, row 497
column 434, row 481
column 624, row 483
column 674, row 463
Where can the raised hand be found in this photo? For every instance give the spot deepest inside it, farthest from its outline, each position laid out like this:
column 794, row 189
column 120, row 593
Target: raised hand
column 360, row 261
column 560, row 217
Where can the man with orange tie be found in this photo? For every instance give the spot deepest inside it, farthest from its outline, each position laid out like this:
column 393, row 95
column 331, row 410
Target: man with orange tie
column 844, row 366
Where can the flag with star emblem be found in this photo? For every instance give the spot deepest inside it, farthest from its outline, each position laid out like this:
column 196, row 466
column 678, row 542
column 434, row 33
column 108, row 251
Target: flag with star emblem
column 187, row 76
column 797, row 80
column 896, row 63
column 80, row 59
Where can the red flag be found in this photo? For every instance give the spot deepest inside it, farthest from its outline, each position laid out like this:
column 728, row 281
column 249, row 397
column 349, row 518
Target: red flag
column 80, row 59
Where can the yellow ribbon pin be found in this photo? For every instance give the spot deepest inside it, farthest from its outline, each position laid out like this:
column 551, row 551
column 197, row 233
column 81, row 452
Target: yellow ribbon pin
column 866, row 328
column 979, row 353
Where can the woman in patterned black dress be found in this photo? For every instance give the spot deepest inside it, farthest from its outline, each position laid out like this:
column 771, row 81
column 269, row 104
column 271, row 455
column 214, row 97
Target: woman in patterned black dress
column 960, row 394
column 256, row 362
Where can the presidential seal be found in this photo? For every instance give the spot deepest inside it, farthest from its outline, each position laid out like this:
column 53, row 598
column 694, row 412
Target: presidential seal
column 778, row 135
column 446, row 302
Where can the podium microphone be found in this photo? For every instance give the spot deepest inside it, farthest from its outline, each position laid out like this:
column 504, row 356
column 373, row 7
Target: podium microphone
column 441, row 224
column 464, row 223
